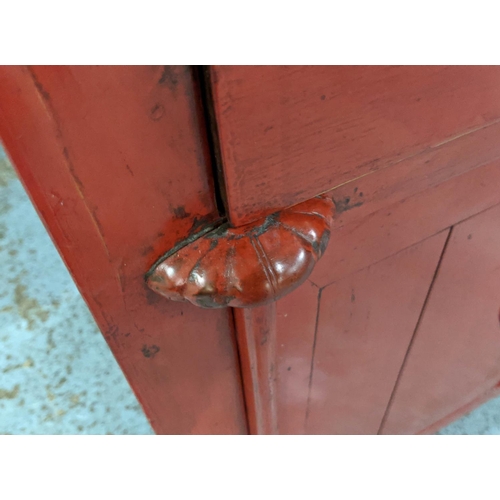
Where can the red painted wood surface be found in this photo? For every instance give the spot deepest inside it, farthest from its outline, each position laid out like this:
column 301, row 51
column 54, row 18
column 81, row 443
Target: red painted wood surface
column 256, row 332
column 455, row 357
column 409, row 202
column 464, row 410
column 405, row 153
column 115, row 161
column 289, row 133
column 296, row 319
column 336, row 373
column 248, row 266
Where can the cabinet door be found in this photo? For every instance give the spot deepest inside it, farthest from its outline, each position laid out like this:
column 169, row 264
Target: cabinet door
column 340, row 347
column 454, row 361
column 405, row 153
column 115, row 160
column 324, row 359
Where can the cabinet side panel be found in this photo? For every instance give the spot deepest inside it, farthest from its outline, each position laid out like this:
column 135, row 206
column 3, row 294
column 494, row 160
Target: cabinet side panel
column 115, row 161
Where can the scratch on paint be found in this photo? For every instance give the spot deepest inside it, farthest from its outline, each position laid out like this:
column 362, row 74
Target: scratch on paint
column 45, row 98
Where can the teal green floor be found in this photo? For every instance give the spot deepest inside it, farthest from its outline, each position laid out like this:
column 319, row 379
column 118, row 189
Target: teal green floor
column 57, row 375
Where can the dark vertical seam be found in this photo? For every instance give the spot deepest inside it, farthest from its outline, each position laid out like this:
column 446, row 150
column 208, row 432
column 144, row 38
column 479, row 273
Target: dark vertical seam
column 202, row 74
column 313, row 354
column 414, row 335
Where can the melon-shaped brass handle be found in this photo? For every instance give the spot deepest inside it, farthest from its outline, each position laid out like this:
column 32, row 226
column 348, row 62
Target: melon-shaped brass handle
column 249, row 265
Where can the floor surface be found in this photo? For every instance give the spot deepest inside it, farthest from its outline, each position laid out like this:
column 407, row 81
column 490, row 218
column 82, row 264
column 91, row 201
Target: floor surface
column 57, row 375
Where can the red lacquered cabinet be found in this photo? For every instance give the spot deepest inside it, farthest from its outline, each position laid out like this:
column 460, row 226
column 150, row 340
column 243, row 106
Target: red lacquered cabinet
column 276, row 250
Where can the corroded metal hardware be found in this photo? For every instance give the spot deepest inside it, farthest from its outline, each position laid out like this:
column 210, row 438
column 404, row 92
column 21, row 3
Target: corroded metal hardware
column 250, row 265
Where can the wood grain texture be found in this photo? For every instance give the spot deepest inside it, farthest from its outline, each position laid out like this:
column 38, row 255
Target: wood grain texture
column 379, row 216
column 256, row 333
column 248, row 266
column 363, row 326
column 289, row 133
column 363, row 197
column 455, row 357
column 104, row 153
column 433, row 192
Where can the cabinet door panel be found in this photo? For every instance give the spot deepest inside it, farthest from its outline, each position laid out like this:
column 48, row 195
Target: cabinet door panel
column 340, row 348
column 455, row 357
column 115, row 161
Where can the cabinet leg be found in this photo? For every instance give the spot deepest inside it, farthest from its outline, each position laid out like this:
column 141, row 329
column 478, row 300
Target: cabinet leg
column 256, row 335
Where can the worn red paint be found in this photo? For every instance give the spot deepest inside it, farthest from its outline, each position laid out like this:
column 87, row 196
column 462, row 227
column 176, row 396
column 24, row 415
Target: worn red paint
column 455, row 356
column 116, row 162
column 288, row 133
column 256, row 334
column 108, row 171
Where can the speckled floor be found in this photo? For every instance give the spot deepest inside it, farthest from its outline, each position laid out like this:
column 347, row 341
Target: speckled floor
column 483, row 420
column 57, row 375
